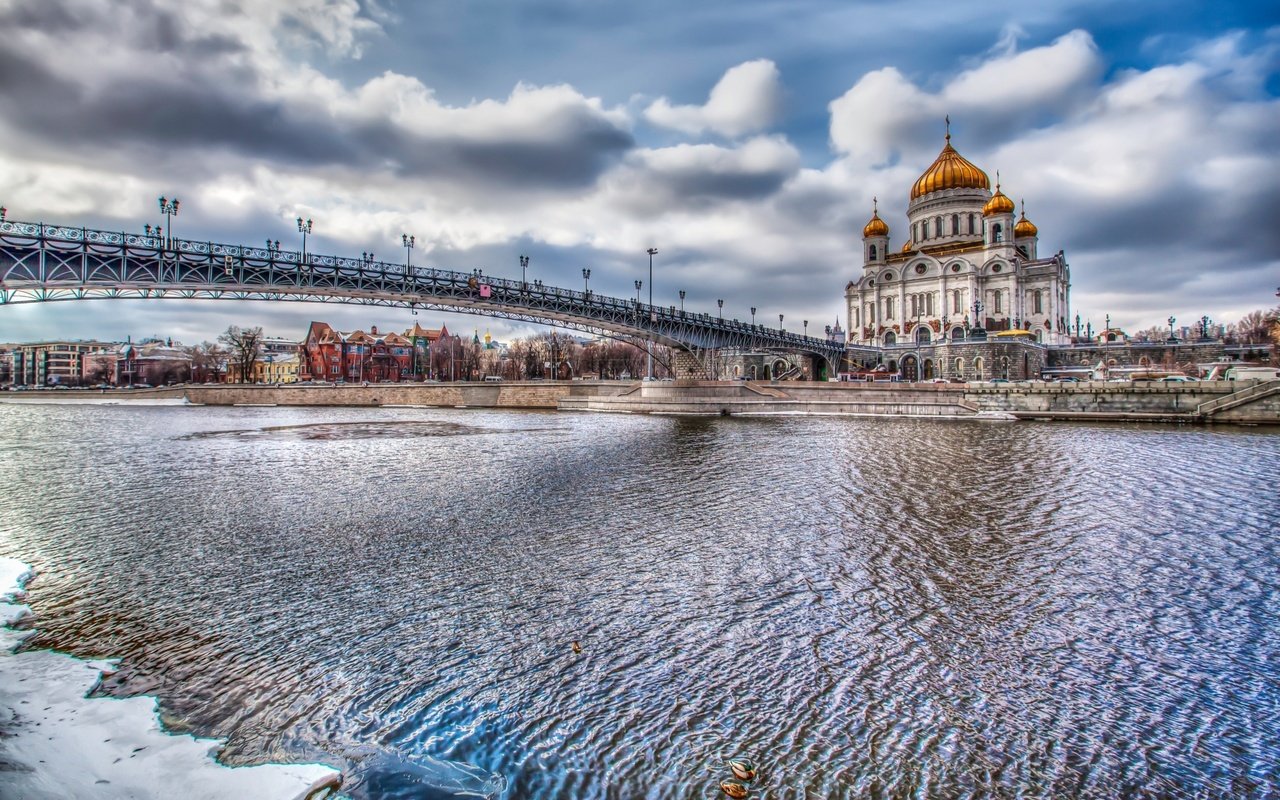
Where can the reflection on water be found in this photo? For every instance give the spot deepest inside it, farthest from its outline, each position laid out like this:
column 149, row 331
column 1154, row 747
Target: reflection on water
column 860, row 607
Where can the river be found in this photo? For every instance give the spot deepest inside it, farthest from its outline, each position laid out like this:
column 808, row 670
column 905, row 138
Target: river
column 863, row 607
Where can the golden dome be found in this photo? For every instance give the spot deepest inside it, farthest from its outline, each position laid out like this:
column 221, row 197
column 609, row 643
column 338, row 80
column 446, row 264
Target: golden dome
column 906, row 246
column 998, row 204
column 1025, row 227
column 950, row 170
column 875, row 226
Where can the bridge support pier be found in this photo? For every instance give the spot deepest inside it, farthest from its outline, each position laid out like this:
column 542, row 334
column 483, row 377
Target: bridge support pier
column 693, row 366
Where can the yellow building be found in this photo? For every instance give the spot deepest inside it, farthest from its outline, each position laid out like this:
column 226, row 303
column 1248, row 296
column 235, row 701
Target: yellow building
column 276, row 368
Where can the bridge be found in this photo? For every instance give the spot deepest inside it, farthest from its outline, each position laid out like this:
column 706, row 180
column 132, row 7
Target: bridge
column 46, row 263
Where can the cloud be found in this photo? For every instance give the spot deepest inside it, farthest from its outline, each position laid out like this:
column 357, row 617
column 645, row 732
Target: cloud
column 884, row 113
column 161, row 81
column 747, row 99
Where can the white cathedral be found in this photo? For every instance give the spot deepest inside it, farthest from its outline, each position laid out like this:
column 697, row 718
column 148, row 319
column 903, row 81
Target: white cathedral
column 966, row 266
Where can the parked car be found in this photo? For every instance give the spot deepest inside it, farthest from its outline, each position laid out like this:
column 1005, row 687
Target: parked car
column 1176, row 379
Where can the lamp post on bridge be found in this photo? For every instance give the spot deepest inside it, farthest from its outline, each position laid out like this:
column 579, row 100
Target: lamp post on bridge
column 4, row 212
column 781, row 329
column 408, row 242
column 524, row 273
column 273, row 248
column 170, row 210
column 1171, row 321
column 652, row 251
column 806, row 328
column 720, row 305
column 304, row 228
column 682, row 302
column 366, row 258
column 586, row 276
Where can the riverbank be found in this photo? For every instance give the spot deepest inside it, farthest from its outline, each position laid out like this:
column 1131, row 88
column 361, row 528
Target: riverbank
column 55, row 742
column 1252, row 402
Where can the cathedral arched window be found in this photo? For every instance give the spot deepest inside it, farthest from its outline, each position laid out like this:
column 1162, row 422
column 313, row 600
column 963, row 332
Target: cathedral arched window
column 922, row 231
column 888, row 308
column 937, row 226
column 997, row 233
column 972, row 227
column 997, row 294
column 1037, row 302
column 873, row 252
column 955, row 224
column 955, row 301
column 929, row 304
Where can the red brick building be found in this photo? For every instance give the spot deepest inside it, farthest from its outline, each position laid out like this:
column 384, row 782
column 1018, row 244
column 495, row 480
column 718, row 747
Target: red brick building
column 332, row 355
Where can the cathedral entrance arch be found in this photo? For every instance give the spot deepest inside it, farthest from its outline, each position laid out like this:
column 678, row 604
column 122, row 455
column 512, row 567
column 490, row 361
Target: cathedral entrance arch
column 910, row 369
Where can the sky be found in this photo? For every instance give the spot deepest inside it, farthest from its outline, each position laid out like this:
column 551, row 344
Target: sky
column 744, row 139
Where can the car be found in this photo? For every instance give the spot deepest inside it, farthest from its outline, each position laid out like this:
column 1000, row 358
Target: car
column 1068, row 380
column 939, row 380
column 999, row 380
column 667, row 380
column 1176, row 379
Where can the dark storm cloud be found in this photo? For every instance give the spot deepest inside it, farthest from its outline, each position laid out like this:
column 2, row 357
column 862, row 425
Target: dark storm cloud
column 210, row 99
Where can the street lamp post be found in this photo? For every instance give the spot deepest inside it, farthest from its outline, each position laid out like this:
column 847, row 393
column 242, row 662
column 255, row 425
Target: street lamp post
column 753, row 316
column 586, row 276
column 638, row 285
column 649, row 345
column 366, row 258
column 4, row 212
column 304, row 228
column 170, row 210
column 720, row 305
column 524, row 272
column 780, row 328
column 806, row 328
column 1077, row 326
column 1171, row 321
column 682, row 302
column 408, row 242
column 273, row 248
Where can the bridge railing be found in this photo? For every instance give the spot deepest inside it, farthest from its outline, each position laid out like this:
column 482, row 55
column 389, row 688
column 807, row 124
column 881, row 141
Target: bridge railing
column 311, row 263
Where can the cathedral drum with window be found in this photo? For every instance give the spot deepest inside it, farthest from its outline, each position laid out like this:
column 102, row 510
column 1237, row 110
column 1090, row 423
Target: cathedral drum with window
column 966, row 266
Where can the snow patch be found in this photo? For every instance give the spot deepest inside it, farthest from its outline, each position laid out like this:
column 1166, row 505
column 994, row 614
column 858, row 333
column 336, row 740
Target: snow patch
column 57, row 743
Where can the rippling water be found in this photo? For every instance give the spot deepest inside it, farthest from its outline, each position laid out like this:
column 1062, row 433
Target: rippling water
column 866, row 608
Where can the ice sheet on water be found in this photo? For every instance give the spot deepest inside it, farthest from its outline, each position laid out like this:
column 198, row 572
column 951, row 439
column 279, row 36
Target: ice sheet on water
column 344, row 431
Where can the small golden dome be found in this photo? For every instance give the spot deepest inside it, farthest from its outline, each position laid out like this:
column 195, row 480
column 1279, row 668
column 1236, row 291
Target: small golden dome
column 906, row 246
column 950, row 170
column 875, row 226
column 999, row 202
column 1025, row 227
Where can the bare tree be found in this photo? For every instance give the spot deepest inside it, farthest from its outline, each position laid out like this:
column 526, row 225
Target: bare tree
column 243, row 344
column 1255, row 327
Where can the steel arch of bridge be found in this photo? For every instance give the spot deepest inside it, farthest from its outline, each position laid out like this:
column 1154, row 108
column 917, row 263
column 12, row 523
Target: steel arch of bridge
column 46, row 263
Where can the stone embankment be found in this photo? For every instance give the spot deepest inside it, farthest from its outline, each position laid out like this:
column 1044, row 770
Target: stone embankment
column 1244, row 402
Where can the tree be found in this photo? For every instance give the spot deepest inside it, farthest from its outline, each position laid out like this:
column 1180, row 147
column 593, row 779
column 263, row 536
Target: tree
column 243, row 344
column 207, row 360
column 1255, row 327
